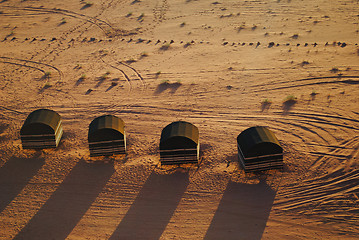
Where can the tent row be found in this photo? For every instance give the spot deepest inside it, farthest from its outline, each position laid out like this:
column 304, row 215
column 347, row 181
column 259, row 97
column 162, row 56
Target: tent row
column 258, row 147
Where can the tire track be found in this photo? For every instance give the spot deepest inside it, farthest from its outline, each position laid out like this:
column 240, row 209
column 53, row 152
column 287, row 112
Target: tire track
column 60, row 73
column 332, row 195
column 136, row 72
column 103, row 25
column 314, row 192
column 348, row 81
column 106, row 27
column 128, row 80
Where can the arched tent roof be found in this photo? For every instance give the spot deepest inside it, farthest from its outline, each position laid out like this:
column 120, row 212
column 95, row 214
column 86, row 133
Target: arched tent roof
column 106, row 128
column 41, row 121
column 258, row 141
column 179, row 135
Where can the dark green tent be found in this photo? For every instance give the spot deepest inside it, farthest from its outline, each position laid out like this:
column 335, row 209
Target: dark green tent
column 106, row 136
column 259, row 149
column 41, row 129
column 179, row 143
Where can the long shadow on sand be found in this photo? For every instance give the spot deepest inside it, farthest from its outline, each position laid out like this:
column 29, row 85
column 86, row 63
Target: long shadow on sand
column 64, row 209
column 14, row 175
column 154, row 206
column 243, row 212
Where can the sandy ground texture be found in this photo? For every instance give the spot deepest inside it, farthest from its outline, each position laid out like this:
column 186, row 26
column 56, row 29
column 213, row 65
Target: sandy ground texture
column 222, row 65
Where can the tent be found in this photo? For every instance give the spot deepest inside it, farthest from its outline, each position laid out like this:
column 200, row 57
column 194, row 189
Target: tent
column 179, row 143
column 41, row 129
column 106, row 136
column 259, row 149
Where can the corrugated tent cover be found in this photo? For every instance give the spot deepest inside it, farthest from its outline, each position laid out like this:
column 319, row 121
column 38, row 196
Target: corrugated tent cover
column 41, row 121
column 257, row 141
column 178, row 135
column 107, row 127
column 107, row 136
column 41, row 129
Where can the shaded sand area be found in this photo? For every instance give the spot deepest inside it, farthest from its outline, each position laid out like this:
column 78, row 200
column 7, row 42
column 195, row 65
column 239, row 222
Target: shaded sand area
column 221, row 65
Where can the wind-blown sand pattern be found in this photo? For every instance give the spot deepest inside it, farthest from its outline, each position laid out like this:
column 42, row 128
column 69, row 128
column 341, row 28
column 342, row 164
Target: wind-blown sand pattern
column 223, row 66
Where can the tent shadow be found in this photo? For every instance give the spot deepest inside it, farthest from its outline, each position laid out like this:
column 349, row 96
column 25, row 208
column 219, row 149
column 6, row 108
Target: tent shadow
column 243, row 212
column 67, row 205
column 14, row 176
column 153, row 208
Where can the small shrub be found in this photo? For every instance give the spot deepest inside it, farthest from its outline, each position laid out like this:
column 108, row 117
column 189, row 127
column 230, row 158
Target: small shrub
column 266, row 101
column 88, row 4
column 47, row 85
column 290, row 99
column 313, row 93
column 47, row 75
column 141, row 16
column 83, row 77
column 183, row 24
column 63, row 21
column 187, row 44
column 241, row 27
column 304, row 63
column 131, row 60
column 165, row 82
column 144, row 54
column 78, row 66
column 265, row 104
column 334, row 70
column 104, row 77
column 295, row 36
column 165, row 46
column 129, row 14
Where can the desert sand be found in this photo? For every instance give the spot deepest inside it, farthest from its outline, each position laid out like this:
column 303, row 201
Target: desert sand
column 222, row 65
